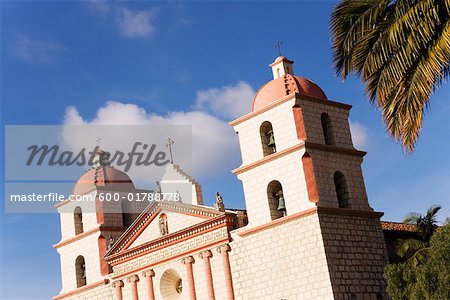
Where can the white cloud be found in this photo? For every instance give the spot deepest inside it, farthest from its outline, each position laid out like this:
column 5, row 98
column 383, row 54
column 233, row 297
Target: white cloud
column 227, row 102
column 134, row 24
column 360, row 135
column 36, row 51
column 101, row 7
column 131, row 23
column 214, row 143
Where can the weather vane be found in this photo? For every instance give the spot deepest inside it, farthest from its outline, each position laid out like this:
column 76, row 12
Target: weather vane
column 278, row 46
column 169, row 144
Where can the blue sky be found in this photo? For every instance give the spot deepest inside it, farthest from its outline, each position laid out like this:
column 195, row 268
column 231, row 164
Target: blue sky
column 63, row 61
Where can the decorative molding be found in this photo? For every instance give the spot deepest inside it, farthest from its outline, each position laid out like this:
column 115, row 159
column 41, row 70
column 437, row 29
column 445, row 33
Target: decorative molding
column 198, row 230
column 76, row 238
column 252, row 114
column 133, row 278
column 117, row 283
column 277, row 222
column 223, row 248
column 148, row 273
column 85, row 234
column 82, row 289
column 269, row 158
column 325, row 102
column 291, row 96
column 331, row 148
column 188, row 260
column 349, row 212
column 205, row 254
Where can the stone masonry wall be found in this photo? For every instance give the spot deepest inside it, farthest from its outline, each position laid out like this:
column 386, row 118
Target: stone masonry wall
column 283, row 262
column 356, row 255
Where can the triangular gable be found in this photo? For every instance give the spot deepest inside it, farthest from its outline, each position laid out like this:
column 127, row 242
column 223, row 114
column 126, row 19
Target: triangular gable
column 137, row 233
column 176, row 221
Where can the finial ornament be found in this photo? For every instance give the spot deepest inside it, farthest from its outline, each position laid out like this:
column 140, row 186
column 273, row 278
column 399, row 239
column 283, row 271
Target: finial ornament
column 158, row 189
column 278, row 46
column 169, row 144
column 219, row 203
column 97, row 141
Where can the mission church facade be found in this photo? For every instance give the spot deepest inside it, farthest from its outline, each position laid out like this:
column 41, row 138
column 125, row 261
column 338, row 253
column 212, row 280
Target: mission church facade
column 308, row 231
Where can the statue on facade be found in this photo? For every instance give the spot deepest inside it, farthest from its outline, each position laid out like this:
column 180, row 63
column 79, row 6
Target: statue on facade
column 163, row 226
column 111, row 242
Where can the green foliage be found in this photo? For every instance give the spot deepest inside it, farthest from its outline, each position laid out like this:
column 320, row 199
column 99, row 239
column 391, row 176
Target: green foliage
column 401, row 51
column 427, row 280
column 416, row 250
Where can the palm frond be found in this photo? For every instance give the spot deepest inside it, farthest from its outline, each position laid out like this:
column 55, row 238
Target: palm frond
column 406, row 248
column 401, row 51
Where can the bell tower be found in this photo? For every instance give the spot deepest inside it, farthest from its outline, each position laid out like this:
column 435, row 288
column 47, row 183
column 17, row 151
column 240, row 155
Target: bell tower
column 91, row 221
column 298, row 159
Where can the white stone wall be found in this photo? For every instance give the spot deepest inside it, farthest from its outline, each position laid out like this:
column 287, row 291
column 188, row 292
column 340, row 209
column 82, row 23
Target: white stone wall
column 66, row 213
column 288, row 170
column 88, row 248
column 283, row 124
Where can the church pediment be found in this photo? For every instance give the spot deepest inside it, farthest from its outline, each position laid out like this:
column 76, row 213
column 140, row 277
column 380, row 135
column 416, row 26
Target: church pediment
column 163, row 219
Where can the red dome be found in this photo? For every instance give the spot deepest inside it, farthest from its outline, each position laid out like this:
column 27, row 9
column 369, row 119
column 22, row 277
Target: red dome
column 108, row 177
column 280, row 87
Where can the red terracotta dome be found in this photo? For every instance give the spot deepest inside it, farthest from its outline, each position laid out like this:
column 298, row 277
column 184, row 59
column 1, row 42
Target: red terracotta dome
column 108, row 177
column 285, row 85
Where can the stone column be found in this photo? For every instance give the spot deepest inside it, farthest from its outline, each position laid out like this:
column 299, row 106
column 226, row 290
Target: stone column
column 118, row 285
column 223, row 250
column 187, row 262
column 149, row 274
column 133, row 280
column 206, row 255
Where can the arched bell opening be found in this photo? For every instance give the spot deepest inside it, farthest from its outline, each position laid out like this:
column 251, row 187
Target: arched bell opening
column 267, row 138
column 275, row 196
column 342, row 193
column 80, row 270
column 327, row 128
column 78, row 220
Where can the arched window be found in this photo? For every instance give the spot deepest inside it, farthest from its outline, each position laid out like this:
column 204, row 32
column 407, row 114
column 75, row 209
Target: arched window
column 267, row 138
column 275, row 197
column 127, row 216
column 327, row 129
column 80, row 269
column 78, row 220
column 342, row 193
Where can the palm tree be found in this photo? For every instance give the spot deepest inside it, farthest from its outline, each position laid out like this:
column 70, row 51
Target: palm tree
column 416, row 249
column 401, row 51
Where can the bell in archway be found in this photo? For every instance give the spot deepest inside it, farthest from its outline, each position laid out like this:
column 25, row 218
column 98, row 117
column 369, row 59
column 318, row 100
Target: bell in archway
column 281, row 203
column 271, row 139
